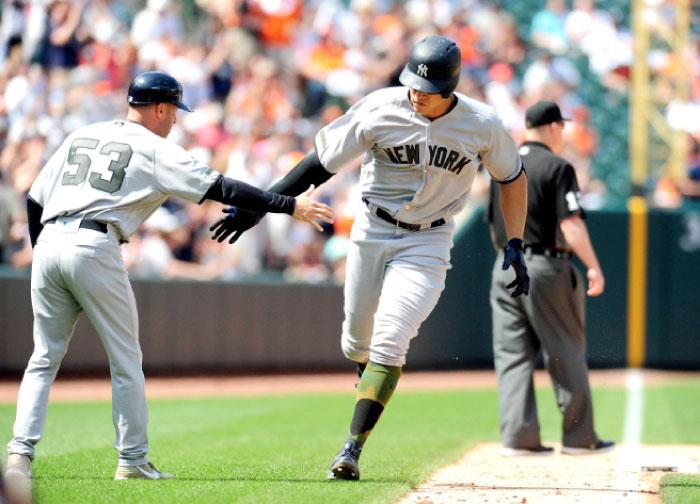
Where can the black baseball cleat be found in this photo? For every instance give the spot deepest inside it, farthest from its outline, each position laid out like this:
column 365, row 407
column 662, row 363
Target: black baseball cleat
column 360, row 370
column 599, row 447
column 344, row 464
column 537, row 451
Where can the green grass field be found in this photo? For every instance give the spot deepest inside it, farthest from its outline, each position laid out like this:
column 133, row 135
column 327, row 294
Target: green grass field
column 277, row 449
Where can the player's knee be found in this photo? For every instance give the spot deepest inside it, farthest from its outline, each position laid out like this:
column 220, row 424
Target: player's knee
column 389, row 351
column 353, row 351
column 45, row 362
column 393, row 359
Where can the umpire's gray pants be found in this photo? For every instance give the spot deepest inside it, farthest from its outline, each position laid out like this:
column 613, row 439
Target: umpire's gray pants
column 73, row 271
column 550, row 318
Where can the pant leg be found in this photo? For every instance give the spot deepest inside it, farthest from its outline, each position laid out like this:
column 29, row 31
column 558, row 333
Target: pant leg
column 558, row 319
column 515, row 350
column 409, row 295
column 55, row 315
column 101, row 285
column 366, row 264
column 417, row 264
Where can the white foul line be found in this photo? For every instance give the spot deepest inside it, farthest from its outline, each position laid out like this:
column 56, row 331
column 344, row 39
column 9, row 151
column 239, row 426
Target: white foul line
column 631, row 438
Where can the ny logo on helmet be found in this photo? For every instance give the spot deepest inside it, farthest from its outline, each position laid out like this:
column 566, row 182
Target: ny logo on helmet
column 422, row 70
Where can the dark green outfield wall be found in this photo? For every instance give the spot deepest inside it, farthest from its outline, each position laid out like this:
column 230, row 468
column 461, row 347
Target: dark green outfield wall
column 254, row 326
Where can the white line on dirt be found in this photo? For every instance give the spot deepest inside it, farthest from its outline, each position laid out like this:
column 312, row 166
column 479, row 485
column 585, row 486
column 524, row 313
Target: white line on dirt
column 630, row 452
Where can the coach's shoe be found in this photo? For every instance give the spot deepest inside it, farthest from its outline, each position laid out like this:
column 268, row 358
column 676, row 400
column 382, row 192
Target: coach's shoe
column 144, row 471
column 18, row 464
column 344, row 464
column 600, row 447
column 538, row 451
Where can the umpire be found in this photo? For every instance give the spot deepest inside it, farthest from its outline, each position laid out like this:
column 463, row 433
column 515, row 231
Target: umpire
column 551, row 318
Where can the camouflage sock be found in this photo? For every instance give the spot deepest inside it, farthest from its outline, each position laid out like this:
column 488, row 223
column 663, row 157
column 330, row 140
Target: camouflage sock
column 374, row 391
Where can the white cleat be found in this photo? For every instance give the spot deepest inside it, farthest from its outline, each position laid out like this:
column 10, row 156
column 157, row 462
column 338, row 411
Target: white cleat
column 144, row 471
column 17, row 479
column 20, row 465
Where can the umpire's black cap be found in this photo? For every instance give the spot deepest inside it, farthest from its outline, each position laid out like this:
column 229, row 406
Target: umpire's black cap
column 543, row 112
column 156, row 87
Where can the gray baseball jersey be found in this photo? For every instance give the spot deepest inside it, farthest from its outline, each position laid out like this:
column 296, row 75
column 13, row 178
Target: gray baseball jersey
column 98, row 187
column 417, row 171
column 119, row 173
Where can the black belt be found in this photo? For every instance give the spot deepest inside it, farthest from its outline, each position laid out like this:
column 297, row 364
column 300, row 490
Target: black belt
column 87, row 224
column 386, row 216
column 557, row 253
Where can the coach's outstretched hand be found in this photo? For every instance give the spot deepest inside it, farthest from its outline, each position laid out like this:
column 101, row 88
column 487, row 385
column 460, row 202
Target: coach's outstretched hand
column 308, row 210
column 236, row 222
column 514, row 256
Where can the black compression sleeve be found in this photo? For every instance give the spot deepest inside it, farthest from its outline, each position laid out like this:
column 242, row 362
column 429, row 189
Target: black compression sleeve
column 309, row 171
column 242, row 195
column 34, row 213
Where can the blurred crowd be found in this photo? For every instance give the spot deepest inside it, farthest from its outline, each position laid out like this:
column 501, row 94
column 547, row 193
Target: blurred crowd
column 263, row 76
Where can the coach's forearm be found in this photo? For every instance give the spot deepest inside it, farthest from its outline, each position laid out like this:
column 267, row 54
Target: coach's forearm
column 514, row 206
column 242, row 195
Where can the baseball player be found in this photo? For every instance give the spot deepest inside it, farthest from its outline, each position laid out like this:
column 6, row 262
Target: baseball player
column 94, row 192
column 422, row 145
column 552, row 319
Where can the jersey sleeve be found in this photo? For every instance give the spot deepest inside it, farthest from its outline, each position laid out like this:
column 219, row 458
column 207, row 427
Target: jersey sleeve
column 344, row 139
column 178, row 173
column 568, row 193
column 501, row 158
column 38, row 190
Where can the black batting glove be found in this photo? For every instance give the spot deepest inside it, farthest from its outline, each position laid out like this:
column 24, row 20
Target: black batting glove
column 514, row 256
column 236, row 222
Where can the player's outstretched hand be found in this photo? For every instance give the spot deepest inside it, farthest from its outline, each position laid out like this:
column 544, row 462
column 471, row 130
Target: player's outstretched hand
column 236, row 222
column 308, row 210
column 514, row 256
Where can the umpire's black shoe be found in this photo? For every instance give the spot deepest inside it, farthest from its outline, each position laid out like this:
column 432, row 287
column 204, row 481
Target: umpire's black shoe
column 600, row 447
column 344, row 464
column 537, row 451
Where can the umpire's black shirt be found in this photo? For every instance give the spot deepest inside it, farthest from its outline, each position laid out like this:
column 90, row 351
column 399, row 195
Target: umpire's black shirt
column 552, row 195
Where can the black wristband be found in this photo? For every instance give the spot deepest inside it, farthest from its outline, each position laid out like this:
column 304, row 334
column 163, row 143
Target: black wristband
column 515, row 243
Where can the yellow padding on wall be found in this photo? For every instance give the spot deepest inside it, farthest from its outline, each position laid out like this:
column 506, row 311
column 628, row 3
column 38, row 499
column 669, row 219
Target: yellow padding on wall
column 637, row 282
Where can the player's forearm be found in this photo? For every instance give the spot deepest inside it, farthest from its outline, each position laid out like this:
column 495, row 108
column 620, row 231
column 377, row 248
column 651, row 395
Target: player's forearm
column 576, row 235
column 309, row 171
column 513, row 204
column 242, row 195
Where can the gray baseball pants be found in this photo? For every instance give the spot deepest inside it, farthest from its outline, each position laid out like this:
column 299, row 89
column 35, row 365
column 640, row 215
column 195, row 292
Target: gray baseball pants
column 551, row 319
column 76, row 270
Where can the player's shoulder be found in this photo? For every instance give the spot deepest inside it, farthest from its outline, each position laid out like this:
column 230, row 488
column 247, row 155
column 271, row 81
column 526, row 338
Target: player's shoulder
column 385, row 98
column 476, row 109
column 106, row 130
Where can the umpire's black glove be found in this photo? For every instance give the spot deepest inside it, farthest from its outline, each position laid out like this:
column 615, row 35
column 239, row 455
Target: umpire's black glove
column 513, row 256
column 236, row 222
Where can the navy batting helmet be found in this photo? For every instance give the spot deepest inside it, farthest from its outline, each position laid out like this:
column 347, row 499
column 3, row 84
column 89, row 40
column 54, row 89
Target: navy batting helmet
column 433, row 67
column 156, row 87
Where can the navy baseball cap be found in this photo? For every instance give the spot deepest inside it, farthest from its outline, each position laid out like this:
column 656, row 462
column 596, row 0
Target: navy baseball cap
column 543, row 112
